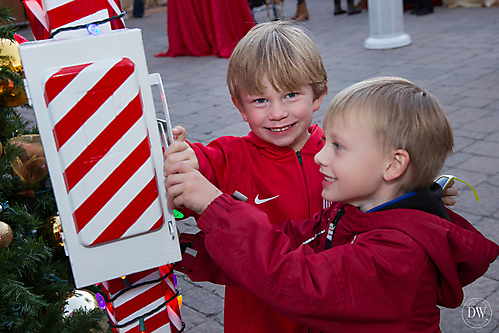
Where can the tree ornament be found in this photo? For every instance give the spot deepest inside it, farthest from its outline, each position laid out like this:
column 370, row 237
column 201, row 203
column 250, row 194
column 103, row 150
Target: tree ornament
column 31, row 167
column 5, row 235
column 80, row 300
column 10, row 95
column 1, row 149
column 52, row 230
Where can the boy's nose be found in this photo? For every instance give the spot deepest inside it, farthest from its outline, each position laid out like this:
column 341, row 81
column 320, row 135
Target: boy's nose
column 319, row 157
column 277, row 112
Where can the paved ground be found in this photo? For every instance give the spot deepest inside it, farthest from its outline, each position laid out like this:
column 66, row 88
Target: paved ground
column 454, row 54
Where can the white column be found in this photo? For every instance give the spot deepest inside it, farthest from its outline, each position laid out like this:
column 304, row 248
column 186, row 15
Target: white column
column 386, row 23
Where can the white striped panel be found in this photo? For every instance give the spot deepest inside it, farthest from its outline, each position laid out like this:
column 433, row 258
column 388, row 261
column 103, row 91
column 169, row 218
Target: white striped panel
column 102, row 169
column 100, row 120
column 78, row 87
column 146, row 220
column 119, row 201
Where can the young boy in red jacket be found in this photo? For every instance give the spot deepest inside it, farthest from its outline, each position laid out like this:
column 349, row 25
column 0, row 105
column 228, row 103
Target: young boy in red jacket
column 386, row 253
column 277, row 81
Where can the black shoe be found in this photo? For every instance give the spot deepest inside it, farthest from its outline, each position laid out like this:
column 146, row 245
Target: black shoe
column 417, row 7
column 425, row 11
column 352, row 10
column 338, row 10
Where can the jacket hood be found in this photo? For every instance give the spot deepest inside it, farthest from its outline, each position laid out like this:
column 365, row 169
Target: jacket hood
column 311, row 147
column 460, row 253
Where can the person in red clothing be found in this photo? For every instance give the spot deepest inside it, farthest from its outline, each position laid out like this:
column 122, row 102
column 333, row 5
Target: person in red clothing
column 385, row 254
column 277, row 81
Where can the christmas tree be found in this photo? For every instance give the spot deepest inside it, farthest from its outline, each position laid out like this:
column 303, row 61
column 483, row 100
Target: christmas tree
column 35, row 275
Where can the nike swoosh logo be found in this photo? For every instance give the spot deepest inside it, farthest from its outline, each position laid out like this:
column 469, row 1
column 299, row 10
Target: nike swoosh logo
column 260, row 201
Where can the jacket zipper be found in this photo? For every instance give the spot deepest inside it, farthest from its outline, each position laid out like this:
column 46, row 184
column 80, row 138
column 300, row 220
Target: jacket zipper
column 332, row 227
column 300, row 161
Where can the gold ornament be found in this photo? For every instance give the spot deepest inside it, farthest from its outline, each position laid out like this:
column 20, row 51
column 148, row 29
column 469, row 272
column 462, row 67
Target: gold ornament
column 31, row 167
column 52, row 230
column 11, row 96
column 9, row 55
column 1, row 149
column 5, row 235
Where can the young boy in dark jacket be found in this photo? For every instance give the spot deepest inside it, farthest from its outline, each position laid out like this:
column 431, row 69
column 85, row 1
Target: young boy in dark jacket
column 386, row 253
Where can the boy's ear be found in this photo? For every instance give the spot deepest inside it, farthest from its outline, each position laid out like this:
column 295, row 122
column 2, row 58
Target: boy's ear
column 398, row 164
column 239, row 108
column 318, row 101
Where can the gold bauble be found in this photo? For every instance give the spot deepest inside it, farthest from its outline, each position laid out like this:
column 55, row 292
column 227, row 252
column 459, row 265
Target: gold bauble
column 9, row 55
column 5, row 235
column 31, row 167
column 11, row 96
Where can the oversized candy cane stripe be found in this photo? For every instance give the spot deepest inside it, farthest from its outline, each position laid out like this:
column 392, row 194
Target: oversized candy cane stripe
column 64, row 77
column 108, row 164
column 37, row 20
column 174, row 318
column 103, row 143
column 105, row 115
column 146, row 298
column 113, row 287
column 83, row 214
column 149, row 215
column 157, row 323
column 61, row 14
column 91, row 101
column 130, row 215
column 65, row 87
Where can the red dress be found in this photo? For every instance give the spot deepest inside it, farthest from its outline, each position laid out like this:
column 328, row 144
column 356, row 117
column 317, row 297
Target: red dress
column 206, row 27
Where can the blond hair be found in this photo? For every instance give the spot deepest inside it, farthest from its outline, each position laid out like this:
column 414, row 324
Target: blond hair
column 402, row 116
column 279, row 51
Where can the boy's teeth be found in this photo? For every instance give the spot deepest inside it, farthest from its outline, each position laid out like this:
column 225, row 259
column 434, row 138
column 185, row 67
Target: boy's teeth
column 329, row 179
column 280, row 129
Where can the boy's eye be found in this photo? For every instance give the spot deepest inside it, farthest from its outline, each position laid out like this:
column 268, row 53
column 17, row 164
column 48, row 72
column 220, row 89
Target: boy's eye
column 260, row 100
column 337, row 145
column 291, row 95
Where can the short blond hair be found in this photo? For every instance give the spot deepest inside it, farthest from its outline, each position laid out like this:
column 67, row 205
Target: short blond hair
column 279, row 51
column 402, row 116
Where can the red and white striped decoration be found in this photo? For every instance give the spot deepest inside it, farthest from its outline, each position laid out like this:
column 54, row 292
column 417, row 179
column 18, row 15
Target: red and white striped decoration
column 45, row 16
column 138, row 301
column 102, row 142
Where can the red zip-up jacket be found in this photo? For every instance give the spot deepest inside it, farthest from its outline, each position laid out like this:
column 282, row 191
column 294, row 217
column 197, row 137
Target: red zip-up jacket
column 280, row 182
column 383, row 271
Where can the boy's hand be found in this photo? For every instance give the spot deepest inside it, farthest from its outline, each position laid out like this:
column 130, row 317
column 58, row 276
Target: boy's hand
column 449, row 193
column 180, row 151
column 186, row 187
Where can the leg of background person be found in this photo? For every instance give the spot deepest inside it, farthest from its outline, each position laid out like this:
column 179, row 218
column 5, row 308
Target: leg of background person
column 351, row 8
column 427, row 8
column 138, row 8
column 337, row 8
column 301, row 11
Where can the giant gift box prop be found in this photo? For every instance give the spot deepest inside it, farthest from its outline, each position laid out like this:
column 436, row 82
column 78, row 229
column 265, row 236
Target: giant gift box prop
column 94, row 108
column 46, row 16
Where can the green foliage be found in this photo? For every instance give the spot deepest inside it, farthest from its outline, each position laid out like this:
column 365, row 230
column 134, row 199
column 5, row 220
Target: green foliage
column 35, row 274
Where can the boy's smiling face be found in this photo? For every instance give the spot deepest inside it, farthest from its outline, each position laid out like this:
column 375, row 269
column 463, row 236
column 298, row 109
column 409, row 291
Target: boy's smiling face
column 280, row 118
column 353, row 165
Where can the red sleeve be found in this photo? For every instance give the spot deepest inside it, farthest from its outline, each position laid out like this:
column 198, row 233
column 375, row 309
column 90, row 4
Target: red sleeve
column 328, row 290
column 197, row 263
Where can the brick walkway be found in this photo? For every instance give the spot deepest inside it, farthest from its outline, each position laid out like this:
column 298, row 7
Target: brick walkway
column 454, row 54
